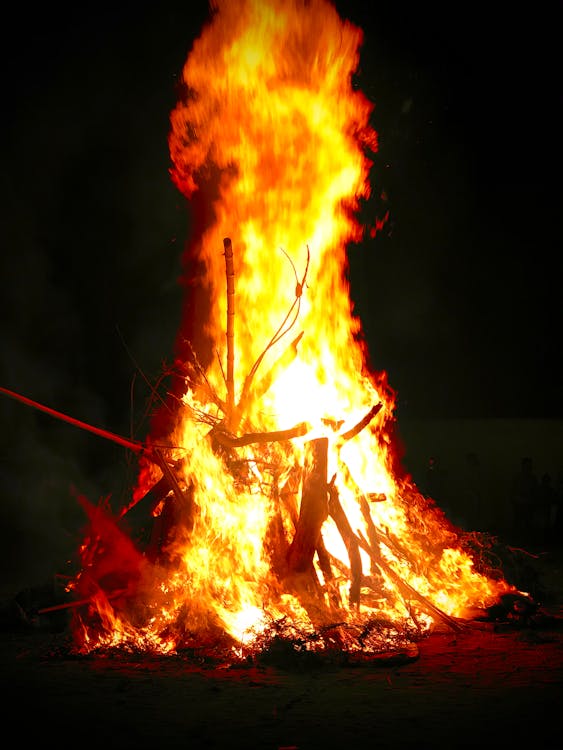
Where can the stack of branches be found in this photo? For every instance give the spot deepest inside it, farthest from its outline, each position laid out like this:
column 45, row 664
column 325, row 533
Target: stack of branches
column 293, row 559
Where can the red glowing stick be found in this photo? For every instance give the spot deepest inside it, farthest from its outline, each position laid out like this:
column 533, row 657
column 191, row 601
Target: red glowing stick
column 134, row 445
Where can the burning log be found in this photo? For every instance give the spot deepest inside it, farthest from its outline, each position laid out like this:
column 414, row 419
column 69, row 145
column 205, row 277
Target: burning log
column 325, row 564
column 408, row 591
column 276, row 541
column 349, row 434
column 314, row 508
column 230, row 272
column 352, row 545
column 300, row 575
column 221, row 437
column 173, row 483
column 376, row 535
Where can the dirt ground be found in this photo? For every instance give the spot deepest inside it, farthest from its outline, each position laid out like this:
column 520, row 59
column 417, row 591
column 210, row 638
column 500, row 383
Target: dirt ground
column 494, row 682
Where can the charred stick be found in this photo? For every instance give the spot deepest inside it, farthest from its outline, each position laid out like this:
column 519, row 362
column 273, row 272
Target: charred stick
column 337, row 513
column 230, row 273
column 314, row 507
column 405, row 587
column 326, row 568
column 78, row 603
column 133, row 445
column 157, row 492
column 375, row 535
column 349, row 434
column 228, row 441
column 179, row 494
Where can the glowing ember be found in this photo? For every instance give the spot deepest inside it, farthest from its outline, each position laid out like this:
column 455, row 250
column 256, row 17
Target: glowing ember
column 283, row 512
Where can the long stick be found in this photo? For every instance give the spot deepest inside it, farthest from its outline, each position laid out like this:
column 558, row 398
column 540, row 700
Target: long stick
column 261, row 437
column 230, row 272
column 404, row 586
column 362, row 423
column 131, row 444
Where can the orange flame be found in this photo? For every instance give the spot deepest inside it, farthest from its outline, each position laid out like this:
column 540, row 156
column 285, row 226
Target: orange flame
column 271, row 123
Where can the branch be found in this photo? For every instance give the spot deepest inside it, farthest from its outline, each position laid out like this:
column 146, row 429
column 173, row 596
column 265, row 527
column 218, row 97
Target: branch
column 338, row 515
column 284, row 361
column 134, row 445
column 405, row 587
column 345, row 436
column 201, row 381
column 282, row 330
column 260, row 437
column 230, row 273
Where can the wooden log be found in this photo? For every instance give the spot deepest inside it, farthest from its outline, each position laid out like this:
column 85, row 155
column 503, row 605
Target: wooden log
column 406, row 589
column 171, row 505
column 230, row 273
column 349, row 434
column 230, row 441
column 289, row 494
column 79, row 603
column 172, row 515
column 376, row 535
column 185, row 501
column 313, row 510
column 323, row 556
column 352, row 546
column 276, row 541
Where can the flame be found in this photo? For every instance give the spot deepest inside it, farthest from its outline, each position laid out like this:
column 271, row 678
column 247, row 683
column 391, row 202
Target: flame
column 271, row 124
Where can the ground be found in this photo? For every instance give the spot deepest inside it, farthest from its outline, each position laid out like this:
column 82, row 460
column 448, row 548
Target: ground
column 462, row 691
column 492, row 682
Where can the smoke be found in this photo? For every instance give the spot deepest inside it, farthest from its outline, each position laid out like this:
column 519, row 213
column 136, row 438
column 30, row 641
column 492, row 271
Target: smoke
column 91, row 234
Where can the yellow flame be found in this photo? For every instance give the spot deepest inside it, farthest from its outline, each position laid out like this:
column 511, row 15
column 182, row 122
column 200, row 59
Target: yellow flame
column 272, row 126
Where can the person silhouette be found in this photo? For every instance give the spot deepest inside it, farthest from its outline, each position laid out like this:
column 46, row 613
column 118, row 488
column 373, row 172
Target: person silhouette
column 524, row 497
column 473, row 490
column 546, row 507
column 435, row 484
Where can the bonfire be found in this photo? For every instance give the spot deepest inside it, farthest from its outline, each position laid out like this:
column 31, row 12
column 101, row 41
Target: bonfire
column 276, row 509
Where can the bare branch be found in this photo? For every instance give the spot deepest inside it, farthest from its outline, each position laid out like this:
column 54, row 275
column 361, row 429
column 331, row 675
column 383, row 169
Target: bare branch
column 283, row 329
column 230, row 273
column 345, row 436
column 229, row 441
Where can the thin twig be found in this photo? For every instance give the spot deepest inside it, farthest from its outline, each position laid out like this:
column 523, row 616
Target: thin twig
column 282, row 330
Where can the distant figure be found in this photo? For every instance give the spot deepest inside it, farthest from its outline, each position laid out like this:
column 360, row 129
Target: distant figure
column 432, row 478
column 473, row 490
column 557, row 521
column 547, row 508
column 435, row 483
column 524, row 497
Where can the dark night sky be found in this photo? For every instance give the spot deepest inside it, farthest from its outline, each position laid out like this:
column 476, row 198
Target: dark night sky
column 459, row 294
